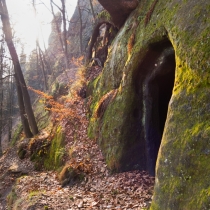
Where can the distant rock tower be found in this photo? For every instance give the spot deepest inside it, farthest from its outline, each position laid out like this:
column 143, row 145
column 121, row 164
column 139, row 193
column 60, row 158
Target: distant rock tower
column 87, row 26
column 54, row 45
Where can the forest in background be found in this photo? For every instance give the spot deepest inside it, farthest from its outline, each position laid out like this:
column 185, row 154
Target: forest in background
column 42, row 66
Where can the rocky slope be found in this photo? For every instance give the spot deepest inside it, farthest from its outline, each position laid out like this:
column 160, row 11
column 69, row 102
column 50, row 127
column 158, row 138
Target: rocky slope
column 24, row 185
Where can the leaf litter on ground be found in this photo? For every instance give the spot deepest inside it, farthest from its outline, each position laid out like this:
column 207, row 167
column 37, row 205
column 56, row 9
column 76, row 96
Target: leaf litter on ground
column 100, row 189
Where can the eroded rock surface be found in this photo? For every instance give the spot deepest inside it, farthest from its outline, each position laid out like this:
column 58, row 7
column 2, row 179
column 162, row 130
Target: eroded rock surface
column 158, row 65
column 82, row 26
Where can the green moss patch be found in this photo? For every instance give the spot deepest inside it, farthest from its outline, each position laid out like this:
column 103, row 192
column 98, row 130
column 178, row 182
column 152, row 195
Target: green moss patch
column 56, row 152
column 48, row 152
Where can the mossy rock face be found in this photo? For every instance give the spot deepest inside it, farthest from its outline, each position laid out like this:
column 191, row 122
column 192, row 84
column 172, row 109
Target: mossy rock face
column 48, row 151
column 56, row 152
column 171, row 36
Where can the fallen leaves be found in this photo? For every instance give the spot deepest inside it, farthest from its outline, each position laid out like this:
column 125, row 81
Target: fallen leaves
column 98, row 190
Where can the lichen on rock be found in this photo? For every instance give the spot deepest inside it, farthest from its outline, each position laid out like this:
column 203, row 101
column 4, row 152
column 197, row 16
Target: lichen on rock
column 125, row 131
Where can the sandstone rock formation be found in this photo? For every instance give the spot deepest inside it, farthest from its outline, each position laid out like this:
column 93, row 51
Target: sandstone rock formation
column 77, row 27
column 119, row 9
column 54, row 38
column 86, row 28
column 151, row 102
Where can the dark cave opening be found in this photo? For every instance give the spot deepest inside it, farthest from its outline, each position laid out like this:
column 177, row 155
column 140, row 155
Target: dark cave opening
column 160, row 85
column 160, row 91
column 155, row 82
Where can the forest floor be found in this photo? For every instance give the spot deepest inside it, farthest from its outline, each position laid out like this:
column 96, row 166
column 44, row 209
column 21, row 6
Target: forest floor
column 22, row 187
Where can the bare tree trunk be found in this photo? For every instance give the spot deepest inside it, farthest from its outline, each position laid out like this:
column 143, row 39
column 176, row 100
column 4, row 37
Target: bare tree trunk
column 64, row 41
column 57, row 27
column 1, row 97
column 92, row 10
column 46, row 63
column 63, row 10
column 80, row 20
column 21, row 85
column 42, row 66
column 37, row 62
column 1, row 115
column 10, row 107
column 39, row 53
column 23, row 115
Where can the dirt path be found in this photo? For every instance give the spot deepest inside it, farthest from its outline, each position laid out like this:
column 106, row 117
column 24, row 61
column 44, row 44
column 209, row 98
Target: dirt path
column 11, row 167
column 99, row 189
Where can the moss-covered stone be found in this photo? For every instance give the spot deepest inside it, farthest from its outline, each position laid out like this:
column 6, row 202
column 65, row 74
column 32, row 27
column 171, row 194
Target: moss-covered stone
column 56, row 152
column 92, row 85
column 104, row 15
column 47, row 150
column 182, row 169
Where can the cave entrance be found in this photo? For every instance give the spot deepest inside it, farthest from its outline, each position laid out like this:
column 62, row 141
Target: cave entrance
column 158, row 70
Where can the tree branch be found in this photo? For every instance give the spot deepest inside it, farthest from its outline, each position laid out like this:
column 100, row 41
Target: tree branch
column 10, row 75
column 57, row 6
column 45, row 6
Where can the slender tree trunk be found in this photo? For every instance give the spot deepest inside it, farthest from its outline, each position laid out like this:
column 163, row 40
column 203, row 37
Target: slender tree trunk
column 46, row 63
column 80, row 21
column 57, row 27
column 1, row 98
column 1, row 115
column 23, row 115
column 64, row 41
column 42, row 66
column 63, row 10
column 21, row 85
column 38, row 49
column 37, row 62
column 92, row 10
column 10, row 108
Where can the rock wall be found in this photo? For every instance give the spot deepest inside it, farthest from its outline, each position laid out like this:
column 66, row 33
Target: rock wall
column 74, row 28
column 154, row 92
column 54, row 45
column 87, row 26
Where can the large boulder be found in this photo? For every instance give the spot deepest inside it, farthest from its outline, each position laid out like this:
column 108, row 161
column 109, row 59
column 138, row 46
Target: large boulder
column 151, row 101
column 119, row 9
